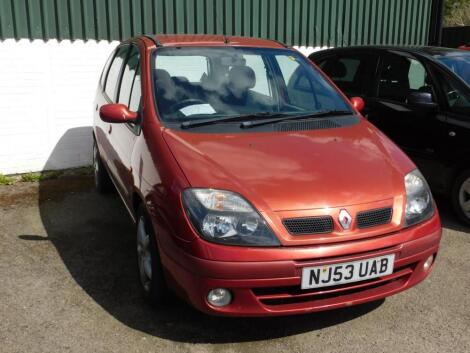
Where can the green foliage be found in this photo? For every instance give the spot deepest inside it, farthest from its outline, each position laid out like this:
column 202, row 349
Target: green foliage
column 6, row 180
column 34, row 177
column 457, row 12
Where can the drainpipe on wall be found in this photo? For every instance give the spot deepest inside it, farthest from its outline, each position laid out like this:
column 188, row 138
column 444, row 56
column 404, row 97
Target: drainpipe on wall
column 435, row 25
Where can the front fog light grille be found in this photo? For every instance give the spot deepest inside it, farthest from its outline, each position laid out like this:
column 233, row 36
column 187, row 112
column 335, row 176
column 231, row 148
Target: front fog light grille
column 309, row 225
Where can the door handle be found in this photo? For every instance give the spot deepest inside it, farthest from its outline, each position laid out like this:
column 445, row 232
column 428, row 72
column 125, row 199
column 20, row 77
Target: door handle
column 452, row 133
column 110, row 128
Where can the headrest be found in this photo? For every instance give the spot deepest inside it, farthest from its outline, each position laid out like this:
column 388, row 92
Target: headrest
column 161, row 75
column 164, row 83
column 396, row 71
column 242, row 77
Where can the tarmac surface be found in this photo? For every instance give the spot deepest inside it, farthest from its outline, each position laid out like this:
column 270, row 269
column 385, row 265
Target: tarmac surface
column 68, row 283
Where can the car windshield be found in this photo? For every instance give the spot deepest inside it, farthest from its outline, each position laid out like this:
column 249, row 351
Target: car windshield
column 211, row 82
column 458, row 62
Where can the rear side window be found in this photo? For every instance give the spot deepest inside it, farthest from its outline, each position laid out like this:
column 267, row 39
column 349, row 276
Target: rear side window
column 352, row 73
column 106, row 68
column 128, row 75
column 134, row 102
column 182, row 69
column 112, row 78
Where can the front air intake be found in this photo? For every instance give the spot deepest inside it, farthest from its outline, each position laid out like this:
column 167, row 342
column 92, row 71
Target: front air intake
column 319, row 124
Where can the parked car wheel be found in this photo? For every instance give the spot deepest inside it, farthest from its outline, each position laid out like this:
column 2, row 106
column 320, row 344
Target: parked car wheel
column 461, row 197
column 103, row 183
column 148, row 260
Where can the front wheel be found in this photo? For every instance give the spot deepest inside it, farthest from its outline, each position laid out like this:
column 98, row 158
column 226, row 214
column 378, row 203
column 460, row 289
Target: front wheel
column 461, row 197
column 148, row 260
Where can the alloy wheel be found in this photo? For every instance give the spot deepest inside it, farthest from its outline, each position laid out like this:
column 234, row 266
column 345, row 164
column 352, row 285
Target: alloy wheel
column 464, row 197
column 96, row 164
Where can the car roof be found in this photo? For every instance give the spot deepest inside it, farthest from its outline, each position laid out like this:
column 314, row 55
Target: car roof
column 179, row 40
column 428, row 51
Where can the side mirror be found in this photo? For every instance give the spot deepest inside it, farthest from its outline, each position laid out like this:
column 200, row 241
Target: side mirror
column 358, row 103
column 421, row 100
column 117, row 114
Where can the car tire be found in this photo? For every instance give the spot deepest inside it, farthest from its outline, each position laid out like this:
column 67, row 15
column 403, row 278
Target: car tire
column 103, row 182
column 461, row 197
column 149, row 264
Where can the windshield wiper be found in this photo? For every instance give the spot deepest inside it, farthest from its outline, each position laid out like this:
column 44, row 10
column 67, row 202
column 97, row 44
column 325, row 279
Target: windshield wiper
column 255, row 116
column 321, row 114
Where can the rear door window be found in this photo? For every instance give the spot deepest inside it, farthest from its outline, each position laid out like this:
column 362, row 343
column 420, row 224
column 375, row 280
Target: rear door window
column 353, row 73
column 112, row 78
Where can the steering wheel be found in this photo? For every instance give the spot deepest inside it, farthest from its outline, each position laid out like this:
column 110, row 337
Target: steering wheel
column 184, row 103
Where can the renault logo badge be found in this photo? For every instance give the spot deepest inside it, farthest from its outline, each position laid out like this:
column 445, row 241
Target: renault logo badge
column 345, row 219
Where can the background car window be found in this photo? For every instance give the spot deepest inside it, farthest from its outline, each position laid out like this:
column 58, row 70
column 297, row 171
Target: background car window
column 400, row 76
column 128, row 74
column 341, row 69
column 457, row 100
column 188, row 70
column 302, row 91
column 113, row 73
column 458, row 62
column 352, row 73
column 416, row 75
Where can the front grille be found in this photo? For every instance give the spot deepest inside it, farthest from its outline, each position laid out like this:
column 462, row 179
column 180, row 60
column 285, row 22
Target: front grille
column 307, row 125
column 373, row 218
column 309, row 225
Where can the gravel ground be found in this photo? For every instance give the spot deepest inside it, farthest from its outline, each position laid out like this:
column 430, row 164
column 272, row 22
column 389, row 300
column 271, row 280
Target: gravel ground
column 68, row 283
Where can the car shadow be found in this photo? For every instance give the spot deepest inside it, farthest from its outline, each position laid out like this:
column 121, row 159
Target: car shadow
column 94, row 237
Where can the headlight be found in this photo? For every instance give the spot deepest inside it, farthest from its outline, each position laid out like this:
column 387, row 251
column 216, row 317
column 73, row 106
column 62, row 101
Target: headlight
column 419, row 202
column 226, row 217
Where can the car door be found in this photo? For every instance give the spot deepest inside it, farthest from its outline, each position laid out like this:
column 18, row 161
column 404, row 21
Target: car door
column 455, row 105
column 353, row 72
column 124, row 136
column 417, row 130
column 109, row 87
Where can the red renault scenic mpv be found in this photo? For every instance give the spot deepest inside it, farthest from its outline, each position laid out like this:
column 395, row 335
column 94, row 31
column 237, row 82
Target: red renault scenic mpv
column 256, row 187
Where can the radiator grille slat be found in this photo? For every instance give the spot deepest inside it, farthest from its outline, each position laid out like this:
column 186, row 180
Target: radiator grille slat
column 309, row 225
column 325, row 224
column 373, row 218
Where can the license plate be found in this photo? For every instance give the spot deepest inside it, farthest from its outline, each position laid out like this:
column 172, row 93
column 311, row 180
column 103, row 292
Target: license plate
column 347, row 272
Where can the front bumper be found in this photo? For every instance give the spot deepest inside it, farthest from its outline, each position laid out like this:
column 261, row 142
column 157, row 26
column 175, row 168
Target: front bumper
column 269, row 288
